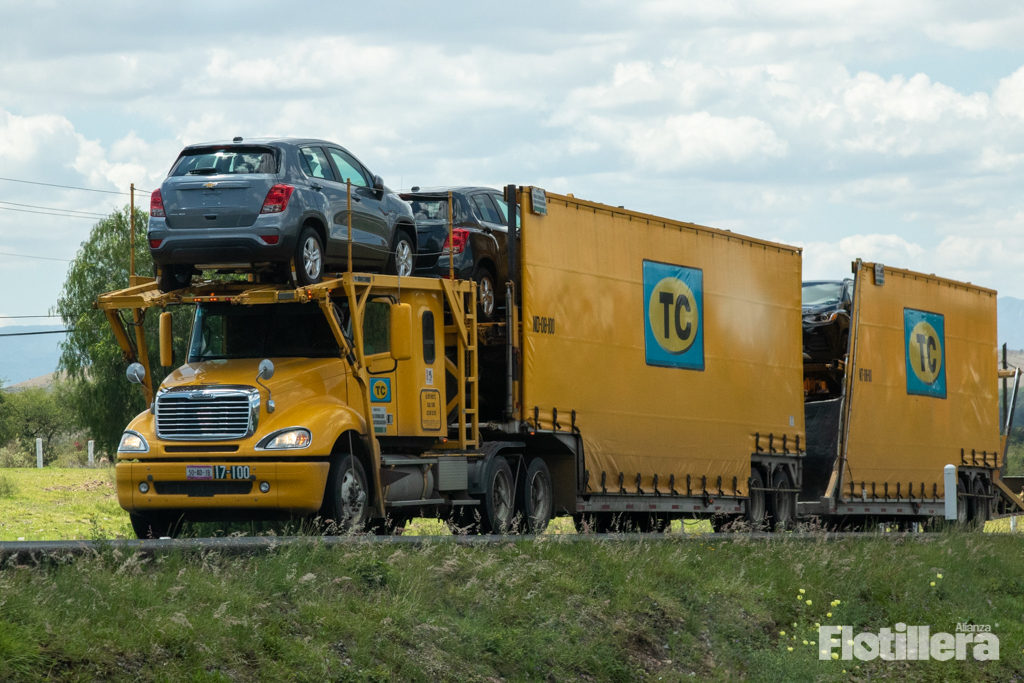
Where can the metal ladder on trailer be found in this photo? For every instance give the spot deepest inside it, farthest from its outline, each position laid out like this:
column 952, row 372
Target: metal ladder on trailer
column 466, row 369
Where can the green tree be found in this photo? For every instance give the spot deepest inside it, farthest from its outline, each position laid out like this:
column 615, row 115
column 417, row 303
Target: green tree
column 38, row 413
column 6, row 417
column 102, row 398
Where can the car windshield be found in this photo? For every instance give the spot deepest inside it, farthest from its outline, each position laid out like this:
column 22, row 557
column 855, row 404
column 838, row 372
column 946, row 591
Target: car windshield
column 225, row 162
column 223, row 331
column 822, row 293
column 430, row 209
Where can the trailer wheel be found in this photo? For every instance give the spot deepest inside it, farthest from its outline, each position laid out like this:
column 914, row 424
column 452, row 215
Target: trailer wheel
column 535, row 498
column 155, row 526
column 980, row 511
column 782, row 508
column 499, row 498
column 347, row 498
column 755, row 501
column 962, row 508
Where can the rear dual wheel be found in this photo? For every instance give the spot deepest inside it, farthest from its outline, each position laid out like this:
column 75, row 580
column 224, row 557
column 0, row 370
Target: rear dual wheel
column 781, row 503
column 535, row 497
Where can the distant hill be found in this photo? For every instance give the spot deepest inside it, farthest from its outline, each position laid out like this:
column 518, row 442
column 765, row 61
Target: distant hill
column 24, row 358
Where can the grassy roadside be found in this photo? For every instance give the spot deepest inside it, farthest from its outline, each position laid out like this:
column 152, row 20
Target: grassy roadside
column 59, row 504
column 697, row 608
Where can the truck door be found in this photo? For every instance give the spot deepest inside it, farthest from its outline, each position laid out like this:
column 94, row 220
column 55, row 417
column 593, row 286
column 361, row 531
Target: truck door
column 382, row 369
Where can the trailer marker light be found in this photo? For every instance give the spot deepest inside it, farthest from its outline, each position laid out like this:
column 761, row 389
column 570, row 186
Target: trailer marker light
column 155, row 244
column 277, row 199
column 156, row 204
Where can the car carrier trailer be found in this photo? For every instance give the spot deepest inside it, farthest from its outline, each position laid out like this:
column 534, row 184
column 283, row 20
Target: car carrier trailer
column 920, row 393
column 647, row 369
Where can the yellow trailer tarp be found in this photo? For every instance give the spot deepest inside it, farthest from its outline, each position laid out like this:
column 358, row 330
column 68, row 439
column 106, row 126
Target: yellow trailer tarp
column 922, row 385
column 674, row 343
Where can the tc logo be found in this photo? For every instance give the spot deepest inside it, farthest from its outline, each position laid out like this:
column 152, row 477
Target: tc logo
column 380, row 390
column 924, row 338
column 925, row 352
column 673, row 315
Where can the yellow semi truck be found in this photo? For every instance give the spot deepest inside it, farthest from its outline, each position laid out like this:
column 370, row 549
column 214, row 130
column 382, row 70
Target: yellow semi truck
column 646, row 369
column 920, row 392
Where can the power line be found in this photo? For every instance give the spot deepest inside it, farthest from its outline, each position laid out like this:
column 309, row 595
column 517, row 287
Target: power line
column 41, row 258
column 28, row 334
column 18, row 317
column 45, row 213
column 56, row 208
column 67, row 187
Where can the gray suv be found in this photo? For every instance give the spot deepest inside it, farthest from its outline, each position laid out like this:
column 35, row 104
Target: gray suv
column 276, row 207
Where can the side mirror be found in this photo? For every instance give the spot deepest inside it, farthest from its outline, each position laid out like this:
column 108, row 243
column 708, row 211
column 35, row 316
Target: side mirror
column 166, row 341
column 378, row 182
column 401, row 331
column 136, row 373
column 266, row 369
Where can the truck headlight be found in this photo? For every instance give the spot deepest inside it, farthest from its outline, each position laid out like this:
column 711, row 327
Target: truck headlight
column 132, row 442
column 292, row 438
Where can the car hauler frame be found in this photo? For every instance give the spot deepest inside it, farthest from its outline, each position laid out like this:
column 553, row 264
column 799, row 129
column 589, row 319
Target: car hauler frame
column 920, row 393
column 656, row 373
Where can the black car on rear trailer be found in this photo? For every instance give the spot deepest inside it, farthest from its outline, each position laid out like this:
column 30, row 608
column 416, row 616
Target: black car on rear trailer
column 479, row 243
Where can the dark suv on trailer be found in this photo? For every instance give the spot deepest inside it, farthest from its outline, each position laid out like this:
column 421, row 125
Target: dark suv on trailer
column 480, row 236
column 826, row 310
column 277, row 207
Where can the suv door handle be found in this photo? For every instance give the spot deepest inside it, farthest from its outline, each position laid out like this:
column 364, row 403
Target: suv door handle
column 316, row 187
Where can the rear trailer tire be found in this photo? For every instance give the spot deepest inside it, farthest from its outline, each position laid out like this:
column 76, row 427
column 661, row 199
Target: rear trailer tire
column 155, row 526
column 347, row 496
column 309, row 258
column 782, row 504
column 963, row 512
column 535, row 497
column 499, row 498
column 402, row 260
column 486, row 295
column 171, row 278
column 756, row 500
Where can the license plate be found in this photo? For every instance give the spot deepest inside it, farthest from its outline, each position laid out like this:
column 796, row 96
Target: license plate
column 237, row 472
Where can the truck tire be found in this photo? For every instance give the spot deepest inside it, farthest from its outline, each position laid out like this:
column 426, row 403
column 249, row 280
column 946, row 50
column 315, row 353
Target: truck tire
column 309, row 258
column 782, row 505
column 155, row 526
column 756, row 500
column 980, row 505
column 499, row 503
column 347, row 496
column 535, row 497
column 171, row 278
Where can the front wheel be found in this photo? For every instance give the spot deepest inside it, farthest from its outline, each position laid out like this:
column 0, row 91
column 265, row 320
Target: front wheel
column 402, row 261
column 347, row 496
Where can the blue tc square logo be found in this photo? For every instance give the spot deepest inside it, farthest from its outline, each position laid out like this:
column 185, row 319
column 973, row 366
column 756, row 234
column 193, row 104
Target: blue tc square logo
column 674, row 316
column 380, row 390
column 924, row 336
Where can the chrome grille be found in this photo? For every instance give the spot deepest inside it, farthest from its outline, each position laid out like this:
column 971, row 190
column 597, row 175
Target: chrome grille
column 206, row 413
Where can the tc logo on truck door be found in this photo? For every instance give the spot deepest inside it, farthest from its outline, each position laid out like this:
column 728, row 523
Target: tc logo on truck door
column 674, row 320
column 924, row 340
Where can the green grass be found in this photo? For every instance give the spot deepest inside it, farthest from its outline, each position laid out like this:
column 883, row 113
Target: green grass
column 57, row 504
column 696, row 608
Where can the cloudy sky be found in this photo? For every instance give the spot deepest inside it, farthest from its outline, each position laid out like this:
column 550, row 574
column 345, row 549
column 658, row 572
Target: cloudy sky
column 885, row 130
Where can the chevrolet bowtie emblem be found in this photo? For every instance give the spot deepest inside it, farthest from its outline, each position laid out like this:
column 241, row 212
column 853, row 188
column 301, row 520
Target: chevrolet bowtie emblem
column 209, row 184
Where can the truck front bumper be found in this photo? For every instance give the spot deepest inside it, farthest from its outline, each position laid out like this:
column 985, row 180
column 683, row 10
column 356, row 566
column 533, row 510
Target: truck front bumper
column 294, row 487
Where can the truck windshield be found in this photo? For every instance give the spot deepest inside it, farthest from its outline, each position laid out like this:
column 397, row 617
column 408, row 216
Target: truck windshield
column 225, row 161
column 822, row 293
column 223, row 331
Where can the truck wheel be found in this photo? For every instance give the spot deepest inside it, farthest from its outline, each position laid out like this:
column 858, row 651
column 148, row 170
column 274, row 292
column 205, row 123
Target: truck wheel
column 347, row 497
column 487, row 298
column 535, row 498
column 170, row 278
column 980, row 504
column 962, row 507
column 782, row 504
column 155, row 526
column 755, row 501
column 499, row 498
column 309, row 258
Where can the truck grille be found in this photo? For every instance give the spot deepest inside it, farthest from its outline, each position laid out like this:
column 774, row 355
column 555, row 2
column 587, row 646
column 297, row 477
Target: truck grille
column 206, row 414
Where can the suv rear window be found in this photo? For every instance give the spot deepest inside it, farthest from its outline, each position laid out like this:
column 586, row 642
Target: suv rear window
column 231, row 161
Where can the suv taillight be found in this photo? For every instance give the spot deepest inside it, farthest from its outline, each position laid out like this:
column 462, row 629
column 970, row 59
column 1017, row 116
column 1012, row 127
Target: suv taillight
column 277, row 199
column 459, row 236
column 156, row 204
